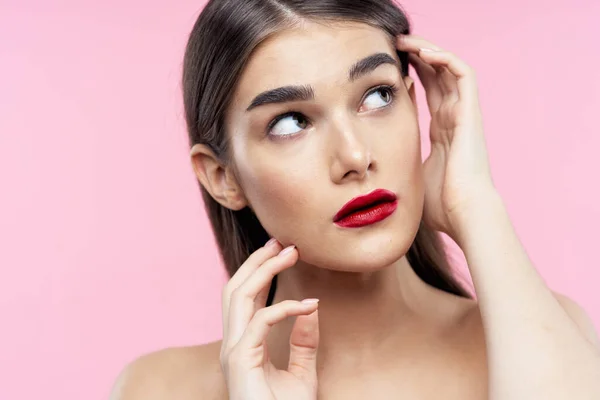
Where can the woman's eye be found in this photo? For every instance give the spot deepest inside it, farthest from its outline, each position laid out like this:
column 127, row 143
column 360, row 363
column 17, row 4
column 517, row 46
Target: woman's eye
column 288, row 124
column 378, row 98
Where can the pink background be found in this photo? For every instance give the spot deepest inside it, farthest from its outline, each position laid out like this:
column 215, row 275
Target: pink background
column 105, row 250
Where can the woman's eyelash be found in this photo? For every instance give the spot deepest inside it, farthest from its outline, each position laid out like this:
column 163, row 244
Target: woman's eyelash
column 392, row 89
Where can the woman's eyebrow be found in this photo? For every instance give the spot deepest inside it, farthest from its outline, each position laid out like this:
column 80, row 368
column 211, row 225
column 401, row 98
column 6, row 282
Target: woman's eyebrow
column 290, row 93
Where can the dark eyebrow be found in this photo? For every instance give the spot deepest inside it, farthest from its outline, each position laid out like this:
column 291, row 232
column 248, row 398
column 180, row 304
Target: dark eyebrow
column 282, row 95
column 303, row 93
column 368, row 64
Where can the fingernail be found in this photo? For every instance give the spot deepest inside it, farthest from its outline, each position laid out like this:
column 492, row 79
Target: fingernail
column 286, row 250
column 425, row 49
column 310, row 301
column 271, row 242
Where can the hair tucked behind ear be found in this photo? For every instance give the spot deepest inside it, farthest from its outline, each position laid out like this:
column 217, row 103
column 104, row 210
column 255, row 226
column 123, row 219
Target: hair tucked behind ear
column 222, row 39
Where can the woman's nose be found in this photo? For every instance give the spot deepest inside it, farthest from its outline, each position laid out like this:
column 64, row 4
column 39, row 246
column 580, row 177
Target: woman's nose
column 352, row 159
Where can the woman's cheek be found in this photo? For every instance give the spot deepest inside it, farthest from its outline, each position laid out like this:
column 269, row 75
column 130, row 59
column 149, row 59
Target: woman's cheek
column 278, row 199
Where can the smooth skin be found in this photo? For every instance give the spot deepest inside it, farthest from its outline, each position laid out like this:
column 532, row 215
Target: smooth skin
column 377, row 331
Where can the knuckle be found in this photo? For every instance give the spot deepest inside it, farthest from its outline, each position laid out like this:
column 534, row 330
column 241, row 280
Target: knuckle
column 253, row 257
column 237, row 294
column 261, row 315
column 261, row 254
column 234, row 358
column 223, row 359
column 470, row 73
column 468, row 68
column 288, row 303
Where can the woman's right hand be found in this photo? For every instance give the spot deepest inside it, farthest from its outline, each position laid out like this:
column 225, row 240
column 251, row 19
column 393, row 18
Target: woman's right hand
column 246, row 322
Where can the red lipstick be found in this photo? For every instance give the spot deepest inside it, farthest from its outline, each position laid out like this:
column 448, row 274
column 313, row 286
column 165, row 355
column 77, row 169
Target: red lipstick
column 368, row 209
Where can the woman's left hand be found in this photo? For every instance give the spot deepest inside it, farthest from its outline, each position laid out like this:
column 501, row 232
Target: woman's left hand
column 457, row 173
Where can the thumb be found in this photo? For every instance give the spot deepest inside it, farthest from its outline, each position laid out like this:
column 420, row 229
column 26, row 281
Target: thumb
column 304, row 342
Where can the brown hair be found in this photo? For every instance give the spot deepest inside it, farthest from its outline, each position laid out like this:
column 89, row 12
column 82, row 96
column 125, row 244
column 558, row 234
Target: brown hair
column 220, row 43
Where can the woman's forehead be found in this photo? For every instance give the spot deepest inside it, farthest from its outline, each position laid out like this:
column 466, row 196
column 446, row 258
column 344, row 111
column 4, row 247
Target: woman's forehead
column 310, row 54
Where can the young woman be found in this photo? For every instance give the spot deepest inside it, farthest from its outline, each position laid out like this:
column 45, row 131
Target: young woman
column 303, row 128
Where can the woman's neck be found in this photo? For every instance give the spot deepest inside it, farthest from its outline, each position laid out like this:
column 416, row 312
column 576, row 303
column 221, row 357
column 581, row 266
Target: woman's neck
column 361, row 315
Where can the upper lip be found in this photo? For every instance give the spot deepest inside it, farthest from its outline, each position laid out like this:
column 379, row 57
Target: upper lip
column 374, row 197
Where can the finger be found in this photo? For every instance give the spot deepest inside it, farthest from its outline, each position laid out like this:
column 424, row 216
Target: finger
column 412, row 43
column 264, row 319
column 261, row 298
column 268, row 251
column 428, row 77
column 255, row 260
column 427, row 74
column 445, row 78
column 304, row 343
column 242, row 306
column 463, row 74
column 415, row 44
column 448, row 83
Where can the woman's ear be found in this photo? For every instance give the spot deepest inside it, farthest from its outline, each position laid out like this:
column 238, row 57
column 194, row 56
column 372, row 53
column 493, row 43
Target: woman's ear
column 410, row 87
column 218, row 179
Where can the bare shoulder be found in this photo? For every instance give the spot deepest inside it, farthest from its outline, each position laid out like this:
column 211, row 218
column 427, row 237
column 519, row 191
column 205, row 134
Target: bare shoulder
column 577, row 314
column 579, row 317
column 174, row 373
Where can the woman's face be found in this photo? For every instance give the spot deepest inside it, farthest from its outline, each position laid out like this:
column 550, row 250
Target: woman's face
column 343, row 137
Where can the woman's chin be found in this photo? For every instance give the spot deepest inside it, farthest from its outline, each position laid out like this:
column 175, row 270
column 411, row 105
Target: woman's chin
column 368, row 256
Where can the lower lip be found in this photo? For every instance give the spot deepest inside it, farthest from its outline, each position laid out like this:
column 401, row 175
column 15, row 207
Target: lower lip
column 368, row 216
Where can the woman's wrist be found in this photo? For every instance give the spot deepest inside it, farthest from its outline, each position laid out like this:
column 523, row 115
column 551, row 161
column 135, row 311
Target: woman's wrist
column 483, row 208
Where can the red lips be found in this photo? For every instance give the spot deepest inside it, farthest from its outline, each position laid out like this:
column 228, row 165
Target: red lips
column 375, row 197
